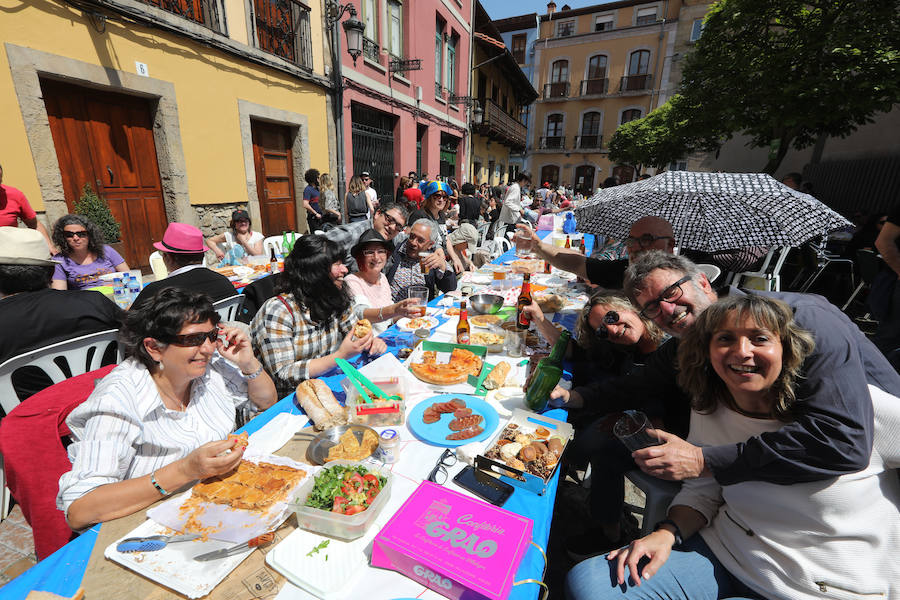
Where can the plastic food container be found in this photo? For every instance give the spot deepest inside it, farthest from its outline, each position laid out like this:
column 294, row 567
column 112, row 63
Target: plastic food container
column 337, row 525
column 380, row 413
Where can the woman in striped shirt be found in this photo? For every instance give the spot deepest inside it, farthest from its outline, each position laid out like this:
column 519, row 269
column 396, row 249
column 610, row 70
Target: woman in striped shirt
column 158, row 422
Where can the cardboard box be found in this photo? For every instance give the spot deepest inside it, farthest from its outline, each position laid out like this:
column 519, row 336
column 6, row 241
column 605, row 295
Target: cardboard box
column 456, row 545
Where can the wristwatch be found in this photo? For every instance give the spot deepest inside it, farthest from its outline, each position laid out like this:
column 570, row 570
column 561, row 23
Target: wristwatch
column 677, row 533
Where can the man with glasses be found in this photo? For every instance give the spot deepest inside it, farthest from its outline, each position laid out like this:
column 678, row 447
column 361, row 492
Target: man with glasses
column 389, row 220
column 647, row 233
column 832, row 432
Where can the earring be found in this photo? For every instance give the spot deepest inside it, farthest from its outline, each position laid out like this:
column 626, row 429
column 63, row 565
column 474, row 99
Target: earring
column 160, row 365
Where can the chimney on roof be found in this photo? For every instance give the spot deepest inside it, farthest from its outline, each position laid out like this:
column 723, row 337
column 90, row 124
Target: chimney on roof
column 566, row 7
column 551, row 7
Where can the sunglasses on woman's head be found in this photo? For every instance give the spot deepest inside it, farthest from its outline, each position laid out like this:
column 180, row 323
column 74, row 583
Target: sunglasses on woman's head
column 610, row 318
column 194, row 339
column 71, row 234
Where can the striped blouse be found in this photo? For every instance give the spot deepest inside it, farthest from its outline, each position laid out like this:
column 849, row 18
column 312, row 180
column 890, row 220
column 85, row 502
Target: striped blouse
column 123, row 430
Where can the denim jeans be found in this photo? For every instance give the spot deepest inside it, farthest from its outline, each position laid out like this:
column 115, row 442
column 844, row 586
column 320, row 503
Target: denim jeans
column 691, row 573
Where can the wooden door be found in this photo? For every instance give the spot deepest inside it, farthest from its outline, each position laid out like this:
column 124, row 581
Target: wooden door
column 623, row 173
column 106, row 140
column 584, row 179
column 273, row 161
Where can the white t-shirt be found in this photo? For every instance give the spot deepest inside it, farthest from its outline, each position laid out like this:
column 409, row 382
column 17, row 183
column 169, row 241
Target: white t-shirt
column 255, row 236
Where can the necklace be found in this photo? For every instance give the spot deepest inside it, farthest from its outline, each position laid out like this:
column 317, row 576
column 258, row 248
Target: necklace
column 179, row 405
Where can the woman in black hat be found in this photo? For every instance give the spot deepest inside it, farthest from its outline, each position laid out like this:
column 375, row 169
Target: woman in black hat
column 238, row 232
column 369, row 288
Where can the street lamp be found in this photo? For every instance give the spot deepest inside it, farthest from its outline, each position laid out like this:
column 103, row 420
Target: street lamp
column 353, row 27
column 477, row 114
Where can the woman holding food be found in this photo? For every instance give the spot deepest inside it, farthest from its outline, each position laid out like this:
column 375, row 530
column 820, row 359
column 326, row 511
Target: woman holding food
column 299, row 333
column 369, row 288
column 740, row 362
column 158, row 421
column 83, row 257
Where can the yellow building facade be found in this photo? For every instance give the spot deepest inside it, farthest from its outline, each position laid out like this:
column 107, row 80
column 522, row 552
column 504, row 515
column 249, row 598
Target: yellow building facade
column 171, row 115
column 502, row 91
column 596, row 68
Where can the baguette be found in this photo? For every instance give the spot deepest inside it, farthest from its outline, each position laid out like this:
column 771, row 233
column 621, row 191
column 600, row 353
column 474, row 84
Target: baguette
column 320, row 405
column 498, row 375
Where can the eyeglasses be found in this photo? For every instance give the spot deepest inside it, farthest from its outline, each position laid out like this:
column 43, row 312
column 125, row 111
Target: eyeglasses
column 438, row 474
column 646, row 240
column 376, row 251
column 194, row 339
column 70, row 234
column 670, row 294
column 392, row 221
column 610, row 318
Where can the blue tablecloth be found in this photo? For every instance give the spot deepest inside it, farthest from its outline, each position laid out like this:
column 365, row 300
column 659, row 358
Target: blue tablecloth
column 62, row 571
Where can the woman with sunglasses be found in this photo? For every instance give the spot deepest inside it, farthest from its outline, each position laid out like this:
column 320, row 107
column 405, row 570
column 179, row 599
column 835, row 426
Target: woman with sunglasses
column 83, row 257
column 369, row 287
column 158, row 421
column 437, row 196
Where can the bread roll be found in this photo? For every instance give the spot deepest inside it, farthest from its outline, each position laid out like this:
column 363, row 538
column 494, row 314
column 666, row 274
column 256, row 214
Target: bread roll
column 362, row 328
column 320, row 405
column 498, row 375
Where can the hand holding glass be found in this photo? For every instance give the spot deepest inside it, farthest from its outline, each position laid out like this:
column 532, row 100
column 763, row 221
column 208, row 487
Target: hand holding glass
column 420, row 295
column 632, row 428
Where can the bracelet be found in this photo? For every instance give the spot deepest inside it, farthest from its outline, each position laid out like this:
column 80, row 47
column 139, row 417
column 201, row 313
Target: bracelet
column 677, row 533
column 380, row 316
column 158, row 487
column 254, row 374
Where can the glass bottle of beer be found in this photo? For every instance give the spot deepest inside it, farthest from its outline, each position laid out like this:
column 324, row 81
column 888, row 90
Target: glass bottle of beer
column 568, row 242
column 522, row 318
column 547, row 375
column 273, row 261
column 462, row 328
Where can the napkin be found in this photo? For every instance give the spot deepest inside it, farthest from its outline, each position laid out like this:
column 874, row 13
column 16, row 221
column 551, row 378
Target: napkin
column 276, row 433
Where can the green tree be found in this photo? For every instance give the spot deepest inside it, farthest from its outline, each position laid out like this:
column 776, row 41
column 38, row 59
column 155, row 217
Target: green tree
column 92, row 206
column 783, row 72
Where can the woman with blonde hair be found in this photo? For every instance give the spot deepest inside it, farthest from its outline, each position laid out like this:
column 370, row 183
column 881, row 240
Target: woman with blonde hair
column 358, row 205
column 740, row 362
column 331, row 209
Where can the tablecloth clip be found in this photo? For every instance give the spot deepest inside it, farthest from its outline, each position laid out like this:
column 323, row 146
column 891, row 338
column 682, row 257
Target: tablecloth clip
column 545, row 593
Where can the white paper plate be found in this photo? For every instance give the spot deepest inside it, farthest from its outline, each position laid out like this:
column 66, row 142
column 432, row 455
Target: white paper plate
column 173, row 566
column 404, row 323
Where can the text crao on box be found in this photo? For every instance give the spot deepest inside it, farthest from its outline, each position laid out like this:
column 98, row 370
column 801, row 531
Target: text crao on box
column 458, row 546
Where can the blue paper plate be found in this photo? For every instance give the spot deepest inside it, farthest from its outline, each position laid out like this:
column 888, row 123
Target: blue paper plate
column 436, row 433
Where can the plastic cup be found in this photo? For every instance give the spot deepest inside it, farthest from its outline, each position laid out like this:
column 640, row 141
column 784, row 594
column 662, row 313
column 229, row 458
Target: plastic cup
column 514, row 342
column 420, row 294
column 632, row 428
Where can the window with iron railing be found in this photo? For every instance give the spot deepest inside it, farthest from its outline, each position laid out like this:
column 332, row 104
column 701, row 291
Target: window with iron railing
column 565, row 28
column 204, row 12
column 370, row 49
column 282, row 28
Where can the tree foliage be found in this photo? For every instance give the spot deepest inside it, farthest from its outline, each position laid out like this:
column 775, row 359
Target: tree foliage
column 96, row 210
column 783, row 72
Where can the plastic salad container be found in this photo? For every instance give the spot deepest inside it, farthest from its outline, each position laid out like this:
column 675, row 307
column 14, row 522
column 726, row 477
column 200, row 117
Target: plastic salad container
column 379, row 413
column 336, row 525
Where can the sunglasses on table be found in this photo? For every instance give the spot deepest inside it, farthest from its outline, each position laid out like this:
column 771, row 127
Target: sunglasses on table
column 610, row 318
column 438, row 474
column 194, row 339
column 670, row 294
column 71, row 234
column 646, row 240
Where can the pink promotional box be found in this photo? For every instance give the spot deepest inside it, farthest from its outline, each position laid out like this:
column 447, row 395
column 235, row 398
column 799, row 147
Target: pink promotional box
column 458, row 546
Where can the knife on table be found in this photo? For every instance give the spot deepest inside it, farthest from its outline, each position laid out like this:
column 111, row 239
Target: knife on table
column 259, row 540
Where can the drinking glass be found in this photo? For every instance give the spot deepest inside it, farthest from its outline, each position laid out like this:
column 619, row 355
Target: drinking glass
column 422, row 257
column 632, row 428
column 420, row 294
column 523, row 244
column 514, row 343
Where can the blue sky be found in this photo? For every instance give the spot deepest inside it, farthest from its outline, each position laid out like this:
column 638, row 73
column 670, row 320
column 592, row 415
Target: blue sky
column 501, row 9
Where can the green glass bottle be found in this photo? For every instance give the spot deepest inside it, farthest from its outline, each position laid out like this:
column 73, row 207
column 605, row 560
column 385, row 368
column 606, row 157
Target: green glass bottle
column 547, row 375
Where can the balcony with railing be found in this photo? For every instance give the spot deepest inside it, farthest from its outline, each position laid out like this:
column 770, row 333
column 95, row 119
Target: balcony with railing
column 370, row 49
column 438, row 90
column 559, row 89
column 204, row 12
column 553, row 142
column 636, row 83
column 282, row 28
column 594, row 86
column 502, row 127
column 589, row 142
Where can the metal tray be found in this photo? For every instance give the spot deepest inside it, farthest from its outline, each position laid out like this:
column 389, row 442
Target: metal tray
column 317, row 452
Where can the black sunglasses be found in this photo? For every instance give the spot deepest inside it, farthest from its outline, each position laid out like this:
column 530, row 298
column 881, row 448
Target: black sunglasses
column 194, row 339
column 71, row 234
column 610, row 318
column 438, row 474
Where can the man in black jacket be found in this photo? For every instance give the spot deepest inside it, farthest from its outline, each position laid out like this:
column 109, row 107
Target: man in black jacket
column 407, row 263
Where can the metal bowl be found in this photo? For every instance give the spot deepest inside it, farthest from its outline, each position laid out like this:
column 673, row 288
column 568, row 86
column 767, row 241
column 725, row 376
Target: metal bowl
column 486, row 304
column 317, row 452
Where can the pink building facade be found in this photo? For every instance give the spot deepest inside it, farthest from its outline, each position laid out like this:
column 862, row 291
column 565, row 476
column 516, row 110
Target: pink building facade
column 397, row 121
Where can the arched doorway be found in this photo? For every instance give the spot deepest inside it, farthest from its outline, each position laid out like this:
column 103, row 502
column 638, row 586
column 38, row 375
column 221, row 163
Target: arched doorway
column 584, row 179
column 550, row 174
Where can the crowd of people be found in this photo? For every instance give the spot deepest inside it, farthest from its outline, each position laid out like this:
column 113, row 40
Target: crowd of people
column 778, row 415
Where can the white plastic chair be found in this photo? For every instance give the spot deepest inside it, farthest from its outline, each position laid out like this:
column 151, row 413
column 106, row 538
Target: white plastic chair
column 229, row 308
column 712, row 272
column 59, row 361
column 658, row 493
column 273, row 241
column 768, row 277
column 158, row 266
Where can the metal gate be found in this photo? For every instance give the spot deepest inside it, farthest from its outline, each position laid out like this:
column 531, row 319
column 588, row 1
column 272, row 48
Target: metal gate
column 373, row 148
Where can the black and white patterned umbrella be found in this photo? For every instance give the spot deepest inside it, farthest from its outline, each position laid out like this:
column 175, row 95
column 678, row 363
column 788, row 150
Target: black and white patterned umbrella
column 712, row 211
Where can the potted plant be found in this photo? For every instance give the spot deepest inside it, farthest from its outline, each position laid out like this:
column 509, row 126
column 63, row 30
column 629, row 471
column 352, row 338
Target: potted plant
column 95, row 208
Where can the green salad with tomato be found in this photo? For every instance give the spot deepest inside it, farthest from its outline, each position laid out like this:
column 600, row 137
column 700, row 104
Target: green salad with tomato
column 345, row 489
